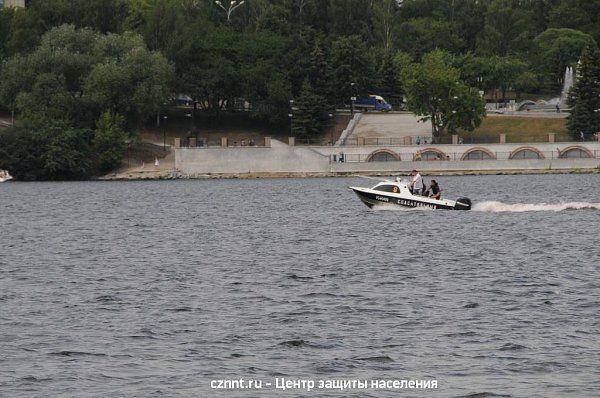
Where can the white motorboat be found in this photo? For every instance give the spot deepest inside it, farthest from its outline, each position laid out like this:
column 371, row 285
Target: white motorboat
column 397, row 193
column 5, row 177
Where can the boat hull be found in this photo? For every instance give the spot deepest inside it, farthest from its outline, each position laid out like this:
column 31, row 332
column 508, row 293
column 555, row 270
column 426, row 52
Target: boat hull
column 372, row 199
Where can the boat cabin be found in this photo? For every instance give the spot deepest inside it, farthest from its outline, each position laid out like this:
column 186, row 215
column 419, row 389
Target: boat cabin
column 391, row 186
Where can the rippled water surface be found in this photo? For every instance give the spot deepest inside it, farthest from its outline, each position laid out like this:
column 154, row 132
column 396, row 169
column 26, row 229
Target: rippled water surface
column 152, row 289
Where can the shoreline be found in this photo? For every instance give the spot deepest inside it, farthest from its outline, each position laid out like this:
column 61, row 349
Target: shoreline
column 175, row 175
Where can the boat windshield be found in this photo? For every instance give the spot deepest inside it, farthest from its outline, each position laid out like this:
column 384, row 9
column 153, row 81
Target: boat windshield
column 387, row 188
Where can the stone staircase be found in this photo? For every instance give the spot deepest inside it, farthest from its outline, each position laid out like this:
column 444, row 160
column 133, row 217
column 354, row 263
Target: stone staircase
column 389, row 125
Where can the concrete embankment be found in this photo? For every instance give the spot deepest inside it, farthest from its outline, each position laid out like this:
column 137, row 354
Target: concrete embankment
column 281, row 160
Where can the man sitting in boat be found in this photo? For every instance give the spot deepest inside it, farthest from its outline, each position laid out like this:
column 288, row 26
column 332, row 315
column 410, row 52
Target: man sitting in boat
column 434, row 191
column 416, row 185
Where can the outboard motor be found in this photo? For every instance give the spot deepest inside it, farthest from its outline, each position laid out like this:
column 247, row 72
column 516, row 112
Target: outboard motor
column 463, row 204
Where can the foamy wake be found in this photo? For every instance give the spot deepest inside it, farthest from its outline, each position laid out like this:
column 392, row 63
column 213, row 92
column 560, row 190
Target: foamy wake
column 497, row 207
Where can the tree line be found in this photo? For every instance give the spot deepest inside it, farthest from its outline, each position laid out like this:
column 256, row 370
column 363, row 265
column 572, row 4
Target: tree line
column 103, row 67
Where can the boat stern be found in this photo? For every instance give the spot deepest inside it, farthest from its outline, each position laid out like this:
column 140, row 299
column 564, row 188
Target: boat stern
column 463, row 204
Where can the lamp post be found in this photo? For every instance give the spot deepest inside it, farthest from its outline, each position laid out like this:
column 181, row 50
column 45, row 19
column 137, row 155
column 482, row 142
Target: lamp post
column 352, row 98
column 291, row 116
column 192, row 125
column 232, row 6
column 192, row 116
column 164, row 118
column 331, row 126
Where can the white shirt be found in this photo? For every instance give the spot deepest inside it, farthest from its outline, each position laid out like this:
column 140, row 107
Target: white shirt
column 417, row 181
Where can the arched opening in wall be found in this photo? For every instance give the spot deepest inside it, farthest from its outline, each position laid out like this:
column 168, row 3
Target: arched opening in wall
column 526, row 153
column 430, row 154
column 478, row 154
column 574, row 152
column 383, row 155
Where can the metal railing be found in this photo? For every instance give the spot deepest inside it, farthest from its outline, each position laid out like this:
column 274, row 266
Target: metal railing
column 314, row 141
column 465, row 156
column 462, row 139
column 470, row 139
column 216, row 143
column 388, row 141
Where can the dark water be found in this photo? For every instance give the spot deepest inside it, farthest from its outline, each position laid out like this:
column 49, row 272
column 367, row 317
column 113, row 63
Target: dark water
column 152, row 289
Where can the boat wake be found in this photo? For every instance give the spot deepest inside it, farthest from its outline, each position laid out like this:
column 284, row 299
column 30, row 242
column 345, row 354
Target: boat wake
column 499, row 207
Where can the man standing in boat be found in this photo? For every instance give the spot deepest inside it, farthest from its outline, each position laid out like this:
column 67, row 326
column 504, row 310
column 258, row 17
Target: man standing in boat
column 416, row 183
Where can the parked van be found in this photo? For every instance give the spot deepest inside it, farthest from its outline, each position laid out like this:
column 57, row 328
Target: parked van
column 372, row 102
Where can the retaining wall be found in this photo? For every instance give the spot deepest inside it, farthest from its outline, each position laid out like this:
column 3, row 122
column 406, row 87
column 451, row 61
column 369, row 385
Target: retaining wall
column 281, row 158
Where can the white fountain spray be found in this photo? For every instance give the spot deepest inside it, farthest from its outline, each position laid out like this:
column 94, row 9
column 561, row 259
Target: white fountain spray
column 567, row 83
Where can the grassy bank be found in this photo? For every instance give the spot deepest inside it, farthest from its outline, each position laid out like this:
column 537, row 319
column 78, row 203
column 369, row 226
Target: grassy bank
column 523, row 129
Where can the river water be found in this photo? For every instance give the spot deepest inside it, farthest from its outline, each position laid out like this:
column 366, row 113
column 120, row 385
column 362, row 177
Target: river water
column 153, row 289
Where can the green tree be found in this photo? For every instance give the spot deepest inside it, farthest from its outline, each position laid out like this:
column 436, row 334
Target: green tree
column 129, row 79
column 265, row 84
column 65, row 85
column 218, row 66
column 20, row 152
column 388, row 84
column 110, row 141
column 296, row 63
column 350, row 17
column 568, row 14
column 507, row 28
column 266, row 15
column 47, row 149
column 77, row 74
column 465, row 19
column 320, row 76
column 526, row 82
column 422, row 35
column 308, row 113
column 103, row 16
column 503, row 72
column 22, row 31
column 474, row 70
column 468, row 16
column 207, row 66
column 558, row 48
column 351, row 63
column 67, row 152
column 584, row 97
column 385, row 16
column 434, row 91
column 161, row 25
column 497, row 73
column 5, row 30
